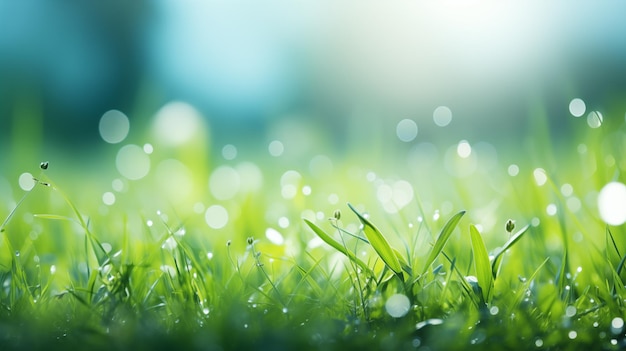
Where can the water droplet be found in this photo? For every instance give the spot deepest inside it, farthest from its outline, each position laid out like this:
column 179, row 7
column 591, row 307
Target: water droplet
column 572, row 334
column 285, row 310
column 149, row 223
column 209, row 255
column 17, row 253
column 617, row 324
column 539, row 343
column 205, row 311
column 53, row 269
column 432, row 321
column 570, row 311
column 494, row 310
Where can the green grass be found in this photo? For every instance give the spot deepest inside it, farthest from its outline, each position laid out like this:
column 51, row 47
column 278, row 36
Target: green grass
column 147, row 272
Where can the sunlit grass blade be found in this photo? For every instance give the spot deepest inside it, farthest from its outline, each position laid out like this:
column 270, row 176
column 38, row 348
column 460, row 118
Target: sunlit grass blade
column 481, row 260
column 442, row 239
column 379, row 243
column 405, row 265
column 497, row 258
column 337, row 246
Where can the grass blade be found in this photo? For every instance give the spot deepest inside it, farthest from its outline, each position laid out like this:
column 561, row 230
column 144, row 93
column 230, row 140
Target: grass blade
column 495, row 265
column 379, row 243
column 481, row 259
column 442, row 239
column 337, row 246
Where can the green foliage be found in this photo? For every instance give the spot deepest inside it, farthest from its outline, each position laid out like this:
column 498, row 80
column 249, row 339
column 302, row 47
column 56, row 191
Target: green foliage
column 442, row 239
column 380, row 244
column 481, row 260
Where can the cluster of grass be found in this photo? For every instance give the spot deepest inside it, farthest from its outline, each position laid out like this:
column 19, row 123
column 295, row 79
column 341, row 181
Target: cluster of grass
column 74, row 277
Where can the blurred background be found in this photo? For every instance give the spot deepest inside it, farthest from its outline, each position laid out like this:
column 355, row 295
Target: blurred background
column 245, row 65
column 127, row 88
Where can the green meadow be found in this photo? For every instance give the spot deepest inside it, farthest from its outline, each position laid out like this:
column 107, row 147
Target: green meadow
column 167, row 237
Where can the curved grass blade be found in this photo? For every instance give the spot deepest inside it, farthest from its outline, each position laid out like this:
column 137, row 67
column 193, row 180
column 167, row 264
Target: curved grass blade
column 337, row 246
column 497, row 258
column 379, row 243
column 403, row 263
column 481, row 259
column 442, row 239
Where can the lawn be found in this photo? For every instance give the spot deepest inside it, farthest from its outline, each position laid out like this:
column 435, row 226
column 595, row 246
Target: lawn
column 171, row 238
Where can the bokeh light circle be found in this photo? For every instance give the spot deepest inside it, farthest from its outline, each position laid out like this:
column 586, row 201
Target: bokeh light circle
column 406, row 130
column 594, row 119
column 216, row 216
column 612, row 203
column 442, row 116
column 132, row 162
column 397, row 305
column 26, row 181
column 176, row 123
column 224, row 183
column 113, row 126
column 577, row 107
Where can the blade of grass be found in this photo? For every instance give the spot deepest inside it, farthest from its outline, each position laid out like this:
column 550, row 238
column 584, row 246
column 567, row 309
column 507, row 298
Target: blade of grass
column 497, row 258
column 337, row 246
column 481, row 259
column 379, row 243
column 442, row 239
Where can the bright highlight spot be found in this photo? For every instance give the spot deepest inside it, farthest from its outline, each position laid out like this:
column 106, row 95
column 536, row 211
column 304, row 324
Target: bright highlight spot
column 26, row 181
column 513, row 170
column 612, row 203
column 108, row 198
column 274, row 236
column 224, row 183
column 442, row 116
column 617, row 324
column 464, row 149
column 551, row 209
column 397, row 305
column 176, row 123
column 132, row 162
column 577, row 107
column 594, row 119
column 113, row 126
column 276, row 148
column 406, row 130
column 216, row 216
column 229, row 152
column 540, row 176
